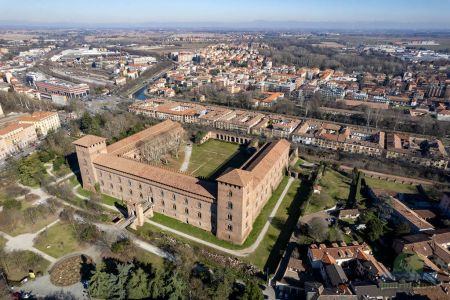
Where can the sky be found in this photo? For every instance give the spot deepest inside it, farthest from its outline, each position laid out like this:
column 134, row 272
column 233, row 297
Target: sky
column 403, row 13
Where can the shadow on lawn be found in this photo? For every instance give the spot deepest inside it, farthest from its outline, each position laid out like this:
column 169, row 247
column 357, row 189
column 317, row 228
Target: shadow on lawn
column 288, row 227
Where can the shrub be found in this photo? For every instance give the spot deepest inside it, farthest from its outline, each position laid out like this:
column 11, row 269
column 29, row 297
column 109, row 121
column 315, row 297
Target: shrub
column 12, row 204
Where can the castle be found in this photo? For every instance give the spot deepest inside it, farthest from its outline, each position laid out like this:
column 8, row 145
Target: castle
column 226, row 206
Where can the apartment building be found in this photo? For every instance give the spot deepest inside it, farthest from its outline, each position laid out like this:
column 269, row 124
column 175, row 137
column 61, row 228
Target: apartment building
column 422, row 151
column 14, row 137
column 64, row 88
column 226, row 206
column 42, row 121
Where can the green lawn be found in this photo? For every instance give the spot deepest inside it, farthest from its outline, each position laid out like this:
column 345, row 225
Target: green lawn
column 335, row 188
column 149, row 258
column 261, row 254
column 105, row 198
column 209, row 237
column 2, row 241
column 57, row 240
column 408, row 262
column 390, row 185
column 209, row 156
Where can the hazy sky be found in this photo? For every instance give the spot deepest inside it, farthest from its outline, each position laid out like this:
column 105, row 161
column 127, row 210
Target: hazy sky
column 431, row 13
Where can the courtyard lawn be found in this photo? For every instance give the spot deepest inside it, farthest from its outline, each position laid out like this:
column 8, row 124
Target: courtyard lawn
column 390, row 185
column 261, row 254
column 408, row 262
column 209, row 156
column 211, row 238
column 335, row 188
column 57, row 240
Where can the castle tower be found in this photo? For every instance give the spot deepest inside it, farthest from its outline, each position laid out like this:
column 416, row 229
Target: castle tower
column 234, row 219
column 88, row 148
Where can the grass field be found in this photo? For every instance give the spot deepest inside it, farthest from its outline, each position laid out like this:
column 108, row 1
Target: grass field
column 209, row 156
column 261, row 254
column 57, row 240
column 149, row 258
column 335, row 188
column 20, row 226
column 408, row 262
column 390, row 185
column 17, row 264
column 211, row 238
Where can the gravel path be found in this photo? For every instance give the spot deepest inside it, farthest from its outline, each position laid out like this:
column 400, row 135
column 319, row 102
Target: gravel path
column 187, row 158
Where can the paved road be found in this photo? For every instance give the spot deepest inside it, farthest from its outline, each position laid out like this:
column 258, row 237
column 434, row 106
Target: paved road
column 242, row 252
column 187, row 157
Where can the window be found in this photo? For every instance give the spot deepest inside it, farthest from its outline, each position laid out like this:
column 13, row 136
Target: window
column 186, row 211
column 129, row 182
column 109, row 176
column 120, row 188
column 141, row 196
column 100, row 173
column 230, row 205
column 102, row 183
column 186, row 201
column 111, row 185
column 174, row 207
column 140, row 186
column 230, row 194
column 199, row 205
column 131, row 192
column 162, row 203
column 230, row 227
column 120, row 180
column 229, row 217
column 199, row 215
column 174, row 197
column 162, row 193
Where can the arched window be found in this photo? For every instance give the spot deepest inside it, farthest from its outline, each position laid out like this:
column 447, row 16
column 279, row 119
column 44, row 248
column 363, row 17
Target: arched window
column 186, row 211
column 141, row 196
column 131, row 192
column 199, row 215
column 229, row 217
column 174, row 197
column 230, row 194
column 162, row 193
column 199, row 205
column 111, row 185
column 120, row 188
column 230, row 227
column 174, row 207
column 129, row 182
column 140, row 186
column 186, row 201
column 162, row 203
column 230, row 205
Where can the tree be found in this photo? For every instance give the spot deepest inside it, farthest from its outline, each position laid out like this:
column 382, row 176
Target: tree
column 101, row 284
column 375, row 229
column 318, row 229
column 252, row 292
column 138, row 286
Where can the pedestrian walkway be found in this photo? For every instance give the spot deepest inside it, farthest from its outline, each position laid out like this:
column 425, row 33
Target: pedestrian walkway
column 187, row 158
column 26, row 242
